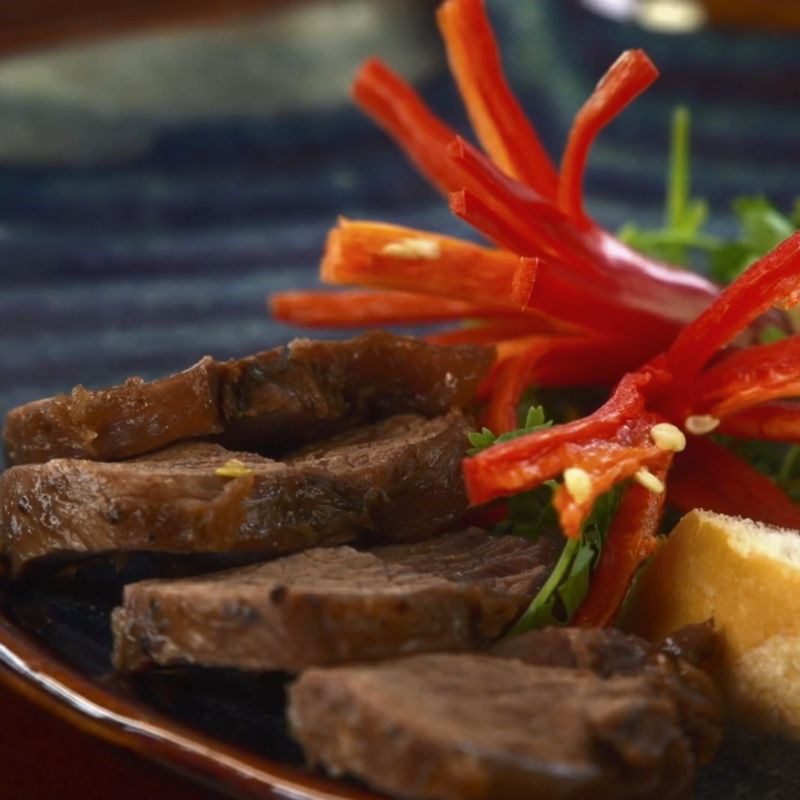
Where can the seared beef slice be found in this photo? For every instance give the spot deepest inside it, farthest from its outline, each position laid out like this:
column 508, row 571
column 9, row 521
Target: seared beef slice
column 268, row 402
column 480, row 727
column 332, row 606
column 175, row 501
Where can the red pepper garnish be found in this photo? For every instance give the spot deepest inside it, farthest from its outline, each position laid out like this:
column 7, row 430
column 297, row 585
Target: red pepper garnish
column 749, row 377
column 566, row 303
column 626, row 79
column 709, row 476
column 357, row 308
column 519, row 465
column 778, row 422
column 632, row 538
column 496, row 116
column 773, row 280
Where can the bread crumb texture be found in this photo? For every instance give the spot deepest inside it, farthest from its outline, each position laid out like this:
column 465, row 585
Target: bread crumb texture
column 746, row 576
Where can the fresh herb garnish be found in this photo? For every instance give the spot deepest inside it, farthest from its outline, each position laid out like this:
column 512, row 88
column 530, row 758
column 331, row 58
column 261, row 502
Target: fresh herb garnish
column 684, row 216
column 531, row 513
column 684, row 238
column 534, row 421
column 564, row 590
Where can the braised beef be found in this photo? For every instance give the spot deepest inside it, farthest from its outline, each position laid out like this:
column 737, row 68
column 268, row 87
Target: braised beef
column 332, row 606
column 268, row 402
column 455, row 726
column 174, row 500
column 674, row 662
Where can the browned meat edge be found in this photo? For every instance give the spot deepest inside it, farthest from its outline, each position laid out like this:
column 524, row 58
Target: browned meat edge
column 480, row 726
column 408, row 487
column 268, row 402
column 332, row 606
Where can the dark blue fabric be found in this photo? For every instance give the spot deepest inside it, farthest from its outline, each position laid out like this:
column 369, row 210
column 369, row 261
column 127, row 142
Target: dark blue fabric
column 143, row 266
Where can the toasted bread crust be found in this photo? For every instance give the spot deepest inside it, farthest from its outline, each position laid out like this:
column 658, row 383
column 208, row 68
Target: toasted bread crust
column 746, row 576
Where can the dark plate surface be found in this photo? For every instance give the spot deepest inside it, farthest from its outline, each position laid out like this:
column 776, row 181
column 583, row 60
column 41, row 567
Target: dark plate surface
column 220, row 727
column 223, row 728
column 136, row 238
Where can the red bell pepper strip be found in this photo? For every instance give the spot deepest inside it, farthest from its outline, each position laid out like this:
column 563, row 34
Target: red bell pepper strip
column 708, row 476
column 541, row 229
column 632, row 538
column 607, row 461
column 496, row 116
column 778, row 422
column 515, row 218
column 749, row 377
column 625, row 80
column 324, row 309
column 556, row 361
column 524, row 463
column 360, row 253
column 633, row 280
column 496, row 332
column 773, row 280
column 396, row 107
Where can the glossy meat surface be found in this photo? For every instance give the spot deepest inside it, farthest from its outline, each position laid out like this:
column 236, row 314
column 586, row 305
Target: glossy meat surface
column 480, row 726
column 175, row 501
column 268, row 402
column 336, row 605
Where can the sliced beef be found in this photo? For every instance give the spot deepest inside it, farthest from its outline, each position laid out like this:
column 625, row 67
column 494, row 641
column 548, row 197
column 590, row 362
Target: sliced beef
column 333, row 606
column 674, row 664
column 416, row 463
column 477, row 726
column 176, row 501
column 606, row 652
column 268, row 402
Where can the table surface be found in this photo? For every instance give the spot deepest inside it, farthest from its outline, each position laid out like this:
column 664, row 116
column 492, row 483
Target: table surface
column 44, row 758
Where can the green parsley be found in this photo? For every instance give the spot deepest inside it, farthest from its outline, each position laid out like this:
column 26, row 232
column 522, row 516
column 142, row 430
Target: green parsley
column 684, row 239
column 534, row 421
column 532, row 513
column 563, row 592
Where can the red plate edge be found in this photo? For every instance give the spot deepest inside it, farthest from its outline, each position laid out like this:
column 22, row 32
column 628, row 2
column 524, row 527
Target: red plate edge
column 29, row 669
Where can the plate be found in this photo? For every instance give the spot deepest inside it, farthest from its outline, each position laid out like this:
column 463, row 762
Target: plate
column 142, row 229
column 220, row 728
column 223, row 728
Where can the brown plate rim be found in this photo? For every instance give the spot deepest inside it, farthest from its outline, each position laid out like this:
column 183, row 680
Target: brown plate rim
column 31, row 670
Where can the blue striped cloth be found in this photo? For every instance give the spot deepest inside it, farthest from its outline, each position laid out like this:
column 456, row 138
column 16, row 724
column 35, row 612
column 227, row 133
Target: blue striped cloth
column 141, row 266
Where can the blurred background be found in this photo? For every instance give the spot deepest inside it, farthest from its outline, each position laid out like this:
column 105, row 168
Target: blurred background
column 165, row 164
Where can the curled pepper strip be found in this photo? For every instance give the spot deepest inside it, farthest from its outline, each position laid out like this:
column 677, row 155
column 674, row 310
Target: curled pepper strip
column 607, row 462
column 773, row 280
column 495, row 114
column 632, row 538
column 748, row 377
column 397, row 108
column 625, row 80
column 555, row 361
column 371, row 254
column 522, row 464
column 383, row 256
column 516, row 218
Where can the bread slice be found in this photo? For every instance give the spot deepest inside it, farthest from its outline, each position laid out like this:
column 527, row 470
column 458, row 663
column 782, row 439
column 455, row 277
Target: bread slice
column 746, row 576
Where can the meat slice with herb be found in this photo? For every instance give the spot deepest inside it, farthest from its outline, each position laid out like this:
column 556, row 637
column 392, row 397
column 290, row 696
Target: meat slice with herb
column 200, row 497
column 268, row 402
column 454, row 726
column 337, row 605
